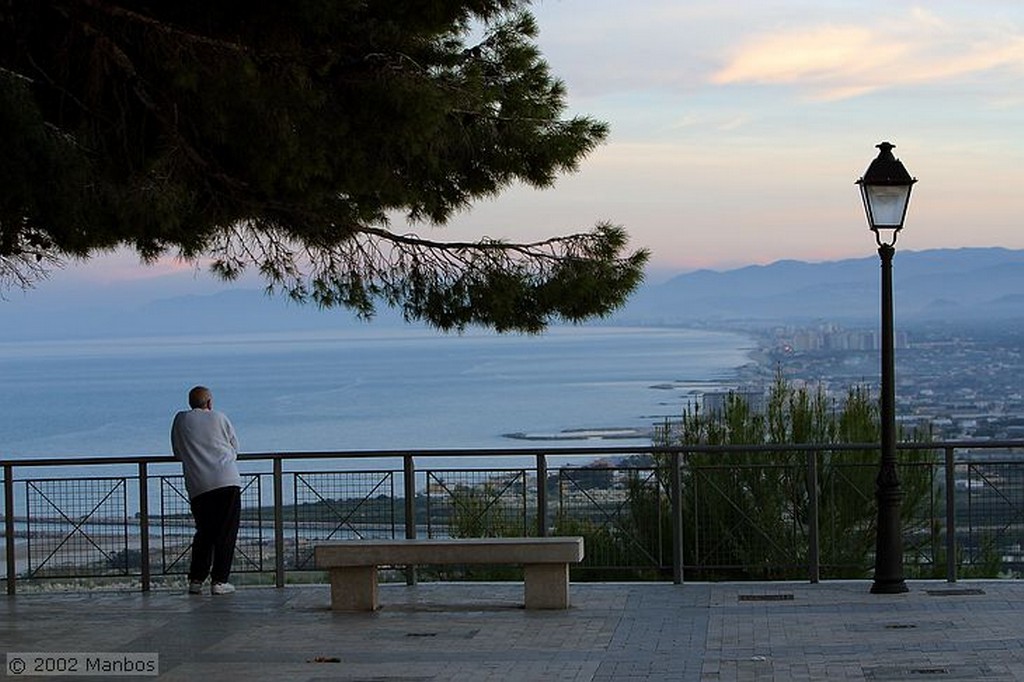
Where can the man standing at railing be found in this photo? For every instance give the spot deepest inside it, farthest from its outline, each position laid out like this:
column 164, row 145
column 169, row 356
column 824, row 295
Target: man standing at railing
column 205, row 442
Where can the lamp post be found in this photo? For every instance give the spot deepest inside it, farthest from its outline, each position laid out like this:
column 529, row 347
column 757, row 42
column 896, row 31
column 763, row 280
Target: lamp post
column 885, row 189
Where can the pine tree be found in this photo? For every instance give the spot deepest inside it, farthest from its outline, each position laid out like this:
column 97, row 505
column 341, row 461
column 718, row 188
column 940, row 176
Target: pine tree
column 747, row 511
column 288, row 137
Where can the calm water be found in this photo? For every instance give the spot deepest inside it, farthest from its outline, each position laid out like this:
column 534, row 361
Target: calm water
column 353, row 390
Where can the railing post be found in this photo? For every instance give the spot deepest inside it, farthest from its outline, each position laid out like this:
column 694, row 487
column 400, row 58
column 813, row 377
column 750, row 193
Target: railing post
column 144, row 525
column 409, row 484
column 542, row 495
column 951, row 549
column 278, row 523
column 676, row 483
column 12, row 564
column 814, row 542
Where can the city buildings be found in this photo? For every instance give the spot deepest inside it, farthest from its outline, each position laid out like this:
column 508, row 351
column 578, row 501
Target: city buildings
column 955, row 382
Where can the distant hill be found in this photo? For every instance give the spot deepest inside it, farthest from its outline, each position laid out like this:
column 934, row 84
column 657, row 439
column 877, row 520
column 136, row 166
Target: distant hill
column 226, row 311
column 941, row 284
column 971, row 284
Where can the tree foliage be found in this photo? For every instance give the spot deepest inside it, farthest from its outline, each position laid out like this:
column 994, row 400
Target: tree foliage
column 748, row 511
column 287, row 137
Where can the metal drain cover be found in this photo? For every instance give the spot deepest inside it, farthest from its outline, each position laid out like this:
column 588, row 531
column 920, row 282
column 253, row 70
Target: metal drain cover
column 890, row 673
column 955, row 592
column 766, row 597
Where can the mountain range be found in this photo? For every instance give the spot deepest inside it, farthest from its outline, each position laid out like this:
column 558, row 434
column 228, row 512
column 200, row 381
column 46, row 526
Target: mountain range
column 969, row 284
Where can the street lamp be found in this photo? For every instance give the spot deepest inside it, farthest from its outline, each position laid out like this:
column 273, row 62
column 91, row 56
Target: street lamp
column 885, row 189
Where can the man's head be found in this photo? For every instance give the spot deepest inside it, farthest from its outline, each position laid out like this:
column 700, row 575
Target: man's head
column 200, row 397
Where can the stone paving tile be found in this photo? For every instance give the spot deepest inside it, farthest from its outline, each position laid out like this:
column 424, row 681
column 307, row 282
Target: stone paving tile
column 479, row 632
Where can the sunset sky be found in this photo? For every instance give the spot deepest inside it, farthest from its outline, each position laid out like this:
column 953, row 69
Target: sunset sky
column 738, row 129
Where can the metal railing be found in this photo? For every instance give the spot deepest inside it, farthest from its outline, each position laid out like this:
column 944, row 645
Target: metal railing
column 699, row 512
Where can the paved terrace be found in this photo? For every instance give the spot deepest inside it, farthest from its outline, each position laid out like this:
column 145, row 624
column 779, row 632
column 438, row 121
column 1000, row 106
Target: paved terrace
column 478, row 632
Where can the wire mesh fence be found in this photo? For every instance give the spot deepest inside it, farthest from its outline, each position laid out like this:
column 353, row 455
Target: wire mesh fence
column 624, row 515
column 477, row 503
column 990, row 513
column 77, row 527
column 735, row 515
column 176, row 528
column 333, row 506
column 746, row 521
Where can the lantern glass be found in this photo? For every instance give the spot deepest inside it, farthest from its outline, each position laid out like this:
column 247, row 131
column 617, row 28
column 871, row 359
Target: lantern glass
column 886, row 205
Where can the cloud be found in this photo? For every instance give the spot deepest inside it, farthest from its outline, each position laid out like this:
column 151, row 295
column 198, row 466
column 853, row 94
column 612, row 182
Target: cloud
column 826, row 55
column 834, row 62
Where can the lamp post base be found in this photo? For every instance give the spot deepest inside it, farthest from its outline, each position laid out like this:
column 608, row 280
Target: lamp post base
column 898, row 586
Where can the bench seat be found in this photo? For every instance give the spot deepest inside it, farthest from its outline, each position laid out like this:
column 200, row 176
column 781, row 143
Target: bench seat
column 353, row 565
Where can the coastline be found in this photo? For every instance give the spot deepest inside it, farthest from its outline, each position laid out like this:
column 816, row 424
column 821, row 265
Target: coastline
column 318, row 393
column 609, row 433
column 753, row 373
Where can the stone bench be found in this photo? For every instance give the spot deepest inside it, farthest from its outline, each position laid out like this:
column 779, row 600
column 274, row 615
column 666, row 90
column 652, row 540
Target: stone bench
column 353, row 565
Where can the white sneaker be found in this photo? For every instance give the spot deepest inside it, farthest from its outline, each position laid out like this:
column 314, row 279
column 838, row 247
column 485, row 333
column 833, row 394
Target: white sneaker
column 195, row 587
column 222, row 588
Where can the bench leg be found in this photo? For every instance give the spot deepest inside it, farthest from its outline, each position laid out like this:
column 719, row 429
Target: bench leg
column 547, row 586
column 354, row 588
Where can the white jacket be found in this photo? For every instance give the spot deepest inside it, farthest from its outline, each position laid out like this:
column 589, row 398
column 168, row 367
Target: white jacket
column 205, row 442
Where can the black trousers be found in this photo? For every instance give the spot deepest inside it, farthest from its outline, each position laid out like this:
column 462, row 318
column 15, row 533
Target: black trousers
column 217, row 513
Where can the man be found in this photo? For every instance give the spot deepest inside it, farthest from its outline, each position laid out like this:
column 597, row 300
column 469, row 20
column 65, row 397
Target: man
column 204, row 440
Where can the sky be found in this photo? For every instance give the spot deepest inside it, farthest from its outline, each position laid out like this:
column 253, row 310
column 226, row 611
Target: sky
column 739, row 129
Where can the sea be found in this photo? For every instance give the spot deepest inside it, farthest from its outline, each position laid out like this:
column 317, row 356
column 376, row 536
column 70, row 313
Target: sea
column 361, row 389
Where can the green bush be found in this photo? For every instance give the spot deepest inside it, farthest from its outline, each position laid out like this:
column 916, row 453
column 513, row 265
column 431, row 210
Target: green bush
column 746, row 513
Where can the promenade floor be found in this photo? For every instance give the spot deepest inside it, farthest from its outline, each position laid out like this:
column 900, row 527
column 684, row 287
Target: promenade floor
column 479, row 632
